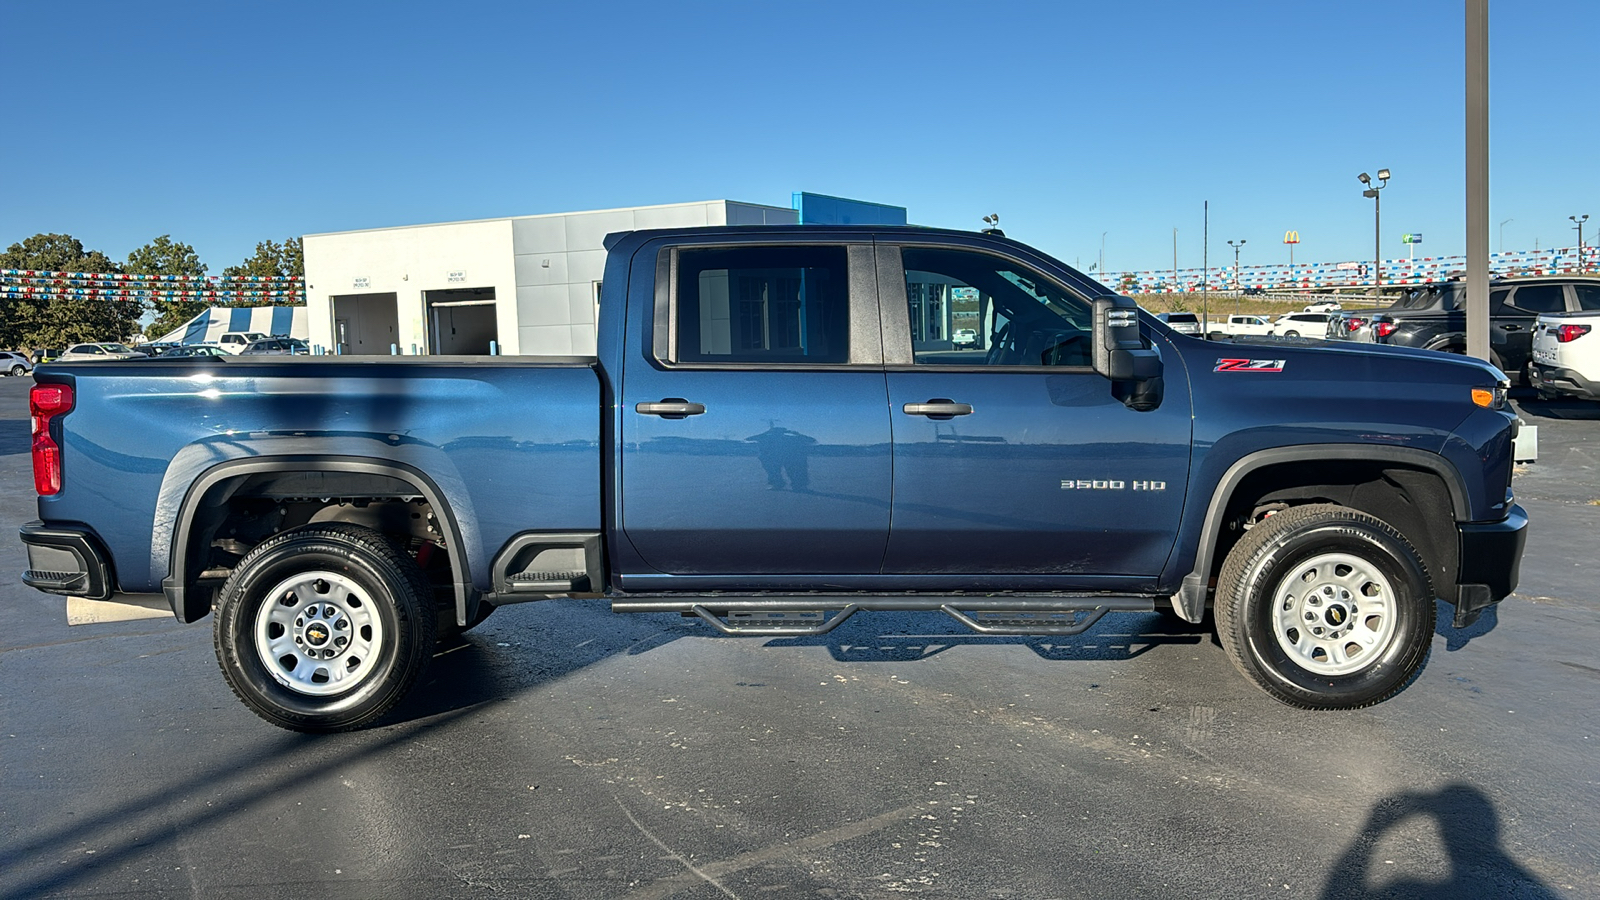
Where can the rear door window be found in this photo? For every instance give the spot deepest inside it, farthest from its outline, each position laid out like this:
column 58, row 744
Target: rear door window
column 763, row 305
column 1588, row 295
column 1539, row 298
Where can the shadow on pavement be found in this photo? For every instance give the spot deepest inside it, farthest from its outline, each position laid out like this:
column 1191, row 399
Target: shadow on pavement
column 1115, row 637
column 1533, row 407
column 1469, row 829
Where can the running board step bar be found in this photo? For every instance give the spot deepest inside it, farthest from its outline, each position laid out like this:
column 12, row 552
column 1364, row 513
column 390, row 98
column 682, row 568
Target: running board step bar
column 807, row 614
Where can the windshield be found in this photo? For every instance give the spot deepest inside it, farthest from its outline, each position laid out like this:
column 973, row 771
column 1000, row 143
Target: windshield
column 117, row 348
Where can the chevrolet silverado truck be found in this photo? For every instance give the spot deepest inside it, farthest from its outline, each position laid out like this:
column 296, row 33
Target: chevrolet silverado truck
column 768, row 439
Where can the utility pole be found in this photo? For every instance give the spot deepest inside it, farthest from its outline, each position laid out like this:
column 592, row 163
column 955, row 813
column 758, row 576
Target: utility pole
column 1174, row 258
column 1205, row 271
column 1581, row 267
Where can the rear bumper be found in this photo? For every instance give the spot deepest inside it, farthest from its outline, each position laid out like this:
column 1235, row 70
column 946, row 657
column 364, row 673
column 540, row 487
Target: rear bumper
column 66, row 559
column 1491, row 563
column 1558, row 380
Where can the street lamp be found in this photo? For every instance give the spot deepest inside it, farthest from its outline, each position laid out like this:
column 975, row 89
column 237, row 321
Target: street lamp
column 1103, row 253
column 1580, row 239
column 1503, row 234
column 1236, row 248
column 1377, row 226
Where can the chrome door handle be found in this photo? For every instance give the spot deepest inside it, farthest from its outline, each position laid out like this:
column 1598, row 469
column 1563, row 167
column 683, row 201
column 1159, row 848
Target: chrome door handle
column 937, row 409
column 670, row 408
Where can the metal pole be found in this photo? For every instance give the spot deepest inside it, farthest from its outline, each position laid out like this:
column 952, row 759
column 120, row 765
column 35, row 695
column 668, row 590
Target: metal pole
column 1205, row 271
column 1477, row 94
column 1174, row 258
column 1377, row 245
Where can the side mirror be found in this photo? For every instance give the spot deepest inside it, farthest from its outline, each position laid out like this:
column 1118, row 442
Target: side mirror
column 1119, row 351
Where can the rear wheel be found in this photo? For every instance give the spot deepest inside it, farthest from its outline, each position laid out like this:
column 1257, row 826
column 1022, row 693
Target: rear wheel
column 324, row 628
column 1291, row 333
column 1326, row 607
column 17, row 371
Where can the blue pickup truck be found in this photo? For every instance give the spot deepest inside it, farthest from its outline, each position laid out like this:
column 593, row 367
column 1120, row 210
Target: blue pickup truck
column 778, row 431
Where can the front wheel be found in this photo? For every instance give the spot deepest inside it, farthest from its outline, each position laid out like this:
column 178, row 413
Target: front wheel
column 1326, row 607
column 324, row 628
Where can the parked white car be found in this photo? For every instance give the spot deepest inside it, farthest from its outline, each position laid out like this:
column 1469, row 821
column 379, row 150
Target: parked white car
column 1324, row 306
column 98, row 352
column 964, row 337
column 1566, row 355
column 1301, row 324
column 234, row 341
column 1244, row 326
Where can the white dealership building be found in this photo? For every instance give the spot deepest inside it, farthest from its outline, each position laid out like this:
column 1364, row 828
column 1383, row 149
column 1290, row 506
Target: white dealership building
column 525, row 285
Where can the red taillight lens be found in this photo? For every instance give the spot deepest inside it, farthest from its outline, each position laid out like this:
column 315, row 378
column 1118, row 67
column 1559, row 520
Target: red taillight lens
column 1565, row 333
column 1383, row 329
column 1356, row 322
column 45, row 403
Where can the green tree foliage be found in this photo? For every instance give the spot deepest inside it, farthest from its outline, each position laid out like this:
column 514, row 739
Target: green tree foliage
column 271, row 258
column 33, row 322
column 164, row 256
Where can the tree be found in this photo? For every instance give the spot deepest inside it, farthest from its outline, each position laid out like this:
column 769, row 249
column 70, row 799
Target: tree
column 271, row 259
column 163, row 256
column 38, row 322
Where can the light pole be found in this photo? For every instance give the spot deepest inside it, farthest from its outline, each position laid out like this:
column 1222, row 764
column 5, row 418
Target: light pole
column 1503, row 234
column 1377, row 226
column 1103, row 253
column 1236, row 248
column 1291, row 238
column 1580, row 239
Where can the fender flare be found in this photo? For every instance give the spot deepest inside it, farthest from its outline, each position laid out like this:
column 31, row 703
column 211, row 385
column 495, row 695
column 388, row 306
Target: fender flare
column 1190, row 600
column 188, row 606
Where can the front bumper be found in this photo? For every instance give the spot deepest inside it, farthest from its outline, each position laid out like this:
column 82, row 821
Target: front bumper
column 66, row 559
column 1558, row 380
column 1491, row 563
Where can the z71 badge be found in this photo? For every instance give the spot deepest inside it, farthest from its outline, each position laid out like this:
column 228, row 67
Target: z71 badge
column 1249, row 365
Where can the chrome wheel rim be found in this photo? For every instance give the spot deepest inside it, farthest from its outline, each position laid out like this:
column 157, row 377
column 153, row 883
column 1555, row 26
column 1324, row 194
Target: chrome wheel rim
column 1334, row 614
column 319, row 634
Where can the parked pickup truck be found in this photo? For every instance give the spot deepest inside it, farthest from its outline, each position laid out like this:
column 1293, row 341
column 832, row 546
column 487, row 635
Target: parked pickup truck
column 1566, row 355
column 763, row 441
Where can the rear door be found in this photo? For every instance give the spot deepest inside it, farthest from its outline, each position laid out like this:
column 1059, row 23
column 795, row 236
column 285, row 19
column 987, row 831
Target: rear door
column 755, row 425
column 1013, row 456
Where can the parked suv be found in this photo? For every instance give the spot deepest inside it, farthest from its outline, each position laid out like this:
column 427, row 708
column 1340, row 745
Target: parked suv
column 1434, row 316
column 15, row 363
column 1300, row 324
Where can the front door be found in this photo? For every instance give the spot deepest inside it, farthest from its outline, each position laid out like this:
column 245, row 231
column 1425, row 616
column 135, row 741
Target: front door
column 1011, row 454
column 757, row 443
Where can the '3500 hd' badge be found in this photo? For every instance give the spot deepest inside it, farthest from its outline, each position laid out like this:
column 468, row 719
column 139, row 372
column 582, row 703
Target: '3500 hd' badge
column 1249, row 365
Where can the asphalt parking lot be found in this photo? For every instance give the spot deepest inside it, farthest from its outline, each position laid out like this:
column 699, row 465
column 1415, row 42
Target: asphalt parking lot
column 562, row 751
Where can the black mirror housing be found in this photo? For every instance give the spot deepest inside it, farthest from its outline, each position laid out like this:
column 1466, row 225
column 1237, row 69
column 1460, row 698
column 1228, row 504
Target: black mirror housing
column 1119, row 351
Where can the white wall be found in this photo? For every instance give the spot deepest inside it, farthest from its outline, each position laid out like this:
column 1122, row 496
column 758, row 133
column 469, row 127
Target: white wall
column 408, row 261
column 543, row 268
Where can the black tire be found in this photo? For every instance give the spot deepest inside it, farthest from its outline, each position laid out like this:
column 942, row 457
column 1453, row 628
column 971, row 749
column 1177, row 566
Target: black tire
column 341, row 593
column 1266, row 624
column 18, row 371
column 1291, row 334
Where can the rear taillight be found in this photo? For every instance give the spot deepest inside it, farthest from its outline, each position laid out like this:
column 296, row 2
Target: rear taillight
column 45, row 403
column 1565, row 333
column 1356, row 322
column 1383, row 329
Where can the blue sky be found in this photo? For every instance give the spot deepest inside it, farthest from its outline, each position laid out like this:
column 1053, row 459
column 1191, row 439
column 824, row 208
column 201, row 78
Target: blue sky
column 224, row 124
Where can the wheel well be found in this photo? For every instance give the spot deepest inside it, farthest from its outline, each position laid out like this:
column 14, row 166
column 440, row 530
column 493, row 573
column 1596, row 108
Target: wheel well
column 1413, row 500
column 239, row 512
